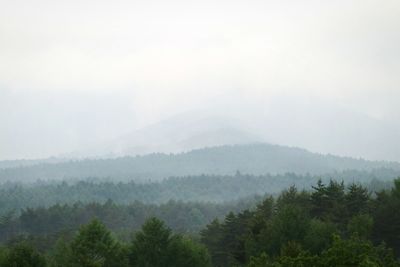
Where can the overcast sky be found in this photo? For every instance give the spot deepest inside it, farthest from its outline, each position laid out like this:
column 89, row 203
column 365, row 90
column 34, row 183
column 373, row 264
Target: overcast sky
column 74, row 72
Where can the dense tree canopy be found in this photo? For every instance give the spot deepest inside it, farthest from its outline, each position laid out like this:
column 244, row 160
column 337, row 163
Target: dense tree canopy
column 330, row 225
column 155, row 246
column 202, row 188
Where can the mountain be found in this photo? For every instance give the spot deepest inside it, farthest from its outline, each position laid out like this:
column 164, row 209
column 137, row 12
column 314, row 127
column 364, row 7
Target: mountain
column 256, row 159
column 180, row 133
column 5, row 164
column 312, row 123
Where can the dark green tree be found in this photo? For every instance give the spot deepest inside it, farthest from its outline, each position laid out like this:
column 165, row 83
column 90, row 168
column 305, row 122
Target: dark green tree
column 319, row 236
column 94, row 246
column 155, row 246
column 328, row 202
column 183, row 252
column 357, row 252
column 150, row 245
column 357, row 200
column 386, row 217
column 290, row 224
column 256, row 239
column 361, row 226
column 212, row 237
column 22, row 255
column 61, row 255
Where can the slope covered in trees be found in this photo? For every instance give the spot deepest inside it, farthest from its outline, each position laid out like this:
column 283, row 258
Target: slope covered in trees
column 330, row 225
column 95, row 246
column 47, row 224
column 256, row 159
column 210, row 188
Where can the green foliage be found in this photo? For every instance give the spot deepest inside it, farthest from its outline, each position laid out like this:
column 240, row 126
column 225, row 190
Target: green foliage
column 302, row 259
column 199, row 188
column 262, row 261
column 204, row 188
column 150, row 246
column 291, row 223
column 94, row 246
column 212, row 238
column 328, row 201
column 329, row 226
column 357, row 199
column 47, row 224
column 356, row 252
column 319, row 235
column 343, row 253
column 297, row 229
column 361, row 226
column 386, row 217
column 22, row 255
column 61, row 255
column 183, row 252
column 255, row 240
column 155, row 246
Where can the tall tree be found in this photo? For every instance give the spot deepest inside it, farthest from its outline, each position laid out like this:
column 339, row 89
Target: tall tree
column 155, row 246
column 357, row 199
column 150, row 245
column 94, row 246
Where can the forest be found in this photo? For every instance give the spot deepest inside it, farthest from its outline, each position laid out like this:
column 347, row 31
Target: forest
column 203, row 188
column 228, row 206
column 329, row 224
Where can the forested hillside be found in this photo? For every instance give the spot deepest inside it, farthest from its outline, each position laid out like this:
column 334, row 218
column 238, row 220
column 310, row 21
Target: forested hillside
column 45, row 225
column 329, row 225
column 203, row 188
column 256, row 159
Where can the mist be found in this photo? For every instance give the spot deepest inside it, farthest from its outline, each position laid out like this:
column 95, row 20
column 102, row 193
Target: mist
column 319, row 75
column 199, row 133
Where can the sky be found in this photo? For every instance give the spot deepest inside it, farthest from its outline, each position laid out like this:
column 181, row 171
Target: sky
column 79, row 72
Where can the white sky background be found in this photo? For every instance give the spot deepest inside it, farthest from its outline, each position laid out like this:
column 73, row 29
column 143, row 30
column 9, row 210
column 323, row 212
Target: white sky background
column 73, row 72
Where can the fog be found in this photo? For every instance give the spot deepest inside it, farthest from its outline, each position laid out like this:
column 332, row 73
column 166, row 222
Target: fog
column 81, row 76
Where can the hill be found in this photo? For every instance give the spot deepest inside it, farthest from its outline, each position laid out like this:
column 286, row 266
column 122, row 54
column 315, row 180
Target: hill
column 255, row 159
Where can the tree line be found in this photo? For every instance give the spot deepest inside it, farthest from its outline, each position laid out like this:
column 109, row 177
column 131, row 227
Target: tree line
column 330, row 225
column 94, row 246
column 44, row 226
column 256, row 159
column 202, row 188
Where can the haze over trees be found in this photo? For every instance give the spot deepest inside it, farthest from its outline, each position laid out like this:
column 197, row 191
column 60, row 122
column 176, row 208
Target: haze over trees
column 256, row 159
column 237, row 206
column 329, row 225
column 202, row 188
column 199, row 133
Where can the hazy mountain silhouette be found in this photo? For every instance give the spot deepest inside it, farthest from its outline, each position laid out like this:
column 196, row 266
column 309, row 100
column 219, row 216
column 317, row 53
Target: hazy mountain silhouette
column 177, row 134
column 257, row 159
column 313, row 124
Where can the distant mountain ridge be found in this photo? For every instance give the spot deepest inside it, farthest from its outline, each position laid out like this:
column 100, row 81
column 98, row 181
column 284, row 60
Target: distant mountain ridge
column 255, row 159
column 309, row 123
column 177, row 134
column 5, row 164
